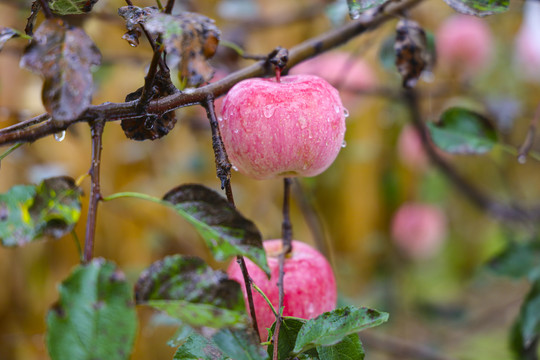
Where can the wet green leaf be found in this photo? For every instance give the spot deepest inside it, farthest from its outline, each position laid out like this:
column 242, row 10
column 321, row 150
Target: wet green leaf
column 357, row 7
column 288, row 333
column 332, row 327
column 226, row 232
column 64, row 56
column 526, row 329
column 28, row 212
column 187, row 289
column 518, row 261
column 71, row 7
column 239, row 344
column 462, row 131
column 350, row 348
column 197, row 347
column 479, row 7
column 95, row 317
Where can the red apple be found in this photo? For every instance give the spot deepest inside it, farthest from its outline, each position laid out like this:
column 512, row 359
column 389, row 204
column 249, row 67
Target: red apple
column 309, row 284
column 419, row 230
column 465, row 42
column 291, row 128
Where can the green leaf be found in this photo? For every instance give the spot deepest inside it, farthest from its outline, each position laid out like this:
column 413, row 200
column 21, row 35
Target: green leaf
column 527, row 327
column 71, row 7
column 332, row 327
column 239, row 344
column 288, row 333
column 226, row 232
column 197, row 347
column 28, row 212
column 350, row 348
column 187, row 289
column 479, row 7
column 518, row 260
column 357, row 7
column 461, row 131
column 95, row 317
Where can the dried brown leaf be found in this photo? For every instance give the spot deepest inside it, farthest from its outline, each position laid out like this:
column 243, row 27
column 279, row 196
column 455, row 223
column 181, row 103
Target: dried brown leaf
column 412, row 55
column 63, row 55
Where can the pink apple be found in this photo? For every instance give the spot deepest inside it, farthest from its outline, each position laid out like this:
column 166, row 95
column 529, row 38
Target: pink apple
column 410, row 149
column 291, row 128
column 419, row 230
column 309, row 283
column 465, row 43
column 528, row 42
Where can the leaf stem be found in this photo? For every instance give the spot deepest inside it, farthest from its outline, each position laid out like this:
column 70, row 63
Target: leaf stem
column 10, row 150
column 95, row 189
column 259, row 290
column 77, row 245
column 286, row 229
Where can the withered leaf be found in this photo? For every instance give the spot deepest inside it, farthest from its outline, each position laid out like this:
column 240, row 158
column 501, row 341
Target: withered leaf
column 71, row 7
column 151, row 127
column 412, row 55
column 192, row 38
column 63, row 55
column 6, row 34
column 134, row 16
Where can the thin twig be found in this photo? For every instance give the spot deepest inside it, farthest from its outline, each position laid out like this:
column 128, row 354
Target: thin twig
column 529, row 139
column 286, row 238
column 95, row 189
column 223, row 170
column 46, row 10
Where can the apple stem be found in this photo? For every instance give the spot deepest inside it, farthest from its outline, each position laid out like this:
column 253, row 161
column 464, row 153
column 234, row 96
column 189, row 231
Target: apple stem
column 278, row 75
column 286, row 229
column 223, row 170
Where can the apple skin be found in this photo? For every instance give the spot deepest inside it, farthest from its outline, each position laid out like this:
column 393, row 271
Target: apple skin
column 309, row 283
column 291, row 128
column 464, row 42
column 419, row 230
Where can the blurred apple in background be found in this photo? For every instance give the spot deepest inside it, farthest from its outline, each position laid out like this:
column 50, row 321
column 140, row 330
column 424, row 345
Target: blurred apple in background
column 527, row 42
column 410, row 149
column 341, row 69
column 464, row 43
column 292, row 128
column 309, row 283
column 419, row 230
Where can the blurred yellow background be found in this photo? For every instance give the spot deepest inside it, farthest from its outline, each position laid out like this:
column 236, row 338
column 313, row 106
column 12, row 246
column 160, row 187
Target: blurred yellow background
column 446, row 302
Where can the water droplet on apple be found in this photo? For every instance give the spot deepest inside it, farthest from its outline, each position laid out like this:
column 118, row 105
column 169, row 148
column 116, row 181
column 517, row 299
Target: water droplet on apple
column 236, row 131
column 234, row 168
column 220, row 118
column 344, row 144
column 345, row 112
column 303, row 122
column 337, row 109
column 60, row 136
column 268, row 110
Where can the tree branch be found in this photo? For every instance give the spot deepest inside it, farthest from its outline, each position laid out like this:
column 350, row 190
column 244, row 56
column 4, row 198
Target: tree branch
column 223, row 170
column 95, row 189
column 119, row 111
